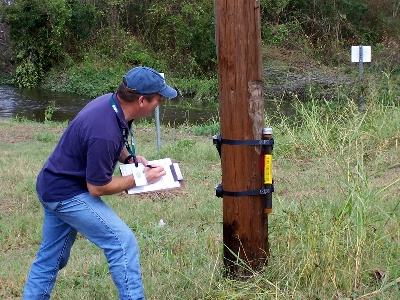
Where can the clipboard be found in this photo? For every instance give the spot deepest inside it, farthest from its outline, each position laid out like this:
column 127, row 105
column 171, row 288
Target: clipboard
column 173, row 179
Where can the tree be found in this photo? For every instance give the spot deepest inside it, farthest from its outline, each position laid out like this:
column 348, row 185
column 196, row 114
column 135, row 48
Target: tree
column 41, row 32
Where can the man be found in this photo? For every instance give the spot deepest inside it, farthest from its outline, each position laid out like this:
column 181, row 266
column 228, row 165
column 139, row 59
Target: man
column 79, row 172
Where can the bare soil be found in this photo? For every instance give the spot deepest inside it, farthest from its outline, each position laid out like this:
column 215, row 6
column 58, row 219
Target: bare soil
column 22, row 133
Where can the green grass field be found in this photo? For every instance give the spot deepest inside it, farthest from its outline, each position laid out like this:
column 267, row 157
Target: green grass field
column 334, row 231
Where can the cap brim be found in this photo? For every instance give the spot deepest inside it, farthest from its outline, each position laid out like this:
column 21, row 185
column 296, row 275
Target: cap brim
column 168, row 92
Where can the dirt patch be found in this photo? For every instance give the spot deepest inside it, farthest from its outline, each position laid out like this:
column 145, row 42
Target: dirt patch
column 12, row 133
column 7, row 205
column 15, row 134
column 287, row 73
column 384, row 181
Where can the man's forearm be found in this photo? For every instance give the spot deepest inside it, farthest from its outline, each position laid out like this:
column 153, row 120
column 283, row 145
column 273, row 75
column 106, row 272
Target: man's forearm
column 116, row 185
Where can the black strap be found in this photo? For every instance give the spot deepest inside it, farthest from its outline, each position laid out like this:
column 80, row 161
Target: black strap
column 218, row 140
column 219, row 192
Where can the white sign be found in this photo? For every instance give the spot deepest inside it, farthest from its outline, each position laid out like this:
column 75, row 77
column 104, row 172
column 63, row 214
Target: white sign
column 366, row 53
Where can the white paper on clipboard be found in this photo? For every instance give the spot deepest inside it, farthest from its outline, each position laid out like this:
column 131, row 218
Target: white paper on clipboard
column 171, row 180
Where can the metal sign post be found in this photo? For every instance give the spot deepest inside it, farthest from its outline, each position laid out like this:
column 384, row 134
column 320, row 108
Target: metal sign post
column 157, row 117
column 360, row 54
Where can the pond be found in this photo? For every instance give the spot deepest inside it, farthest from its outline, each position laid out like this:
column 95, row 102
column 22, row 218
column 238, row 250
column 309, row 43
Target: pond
column 32, row 104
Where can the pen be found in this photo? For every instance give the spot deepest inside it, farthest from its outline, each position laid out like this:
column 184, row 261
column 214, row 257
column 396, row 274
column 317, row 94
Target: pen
column 151, row 167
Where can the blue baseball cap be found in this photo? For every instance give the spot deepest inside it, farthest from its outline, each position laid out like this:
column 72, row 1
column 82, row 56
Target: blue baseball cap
column 145, row 80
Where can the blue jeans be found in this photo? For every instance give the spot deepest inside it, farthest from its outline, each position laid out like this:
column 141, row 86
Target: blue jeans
column 99, row 224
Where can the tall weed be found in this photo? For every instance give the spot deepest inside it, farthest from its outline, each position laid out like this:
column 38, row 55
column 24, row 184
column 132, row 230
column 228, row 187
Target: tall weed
column 334, row 225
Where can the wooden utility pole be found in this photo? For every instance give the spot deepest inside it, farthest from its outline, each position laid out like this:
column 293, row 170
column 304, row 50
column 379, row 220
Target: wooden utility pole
column 238, row 38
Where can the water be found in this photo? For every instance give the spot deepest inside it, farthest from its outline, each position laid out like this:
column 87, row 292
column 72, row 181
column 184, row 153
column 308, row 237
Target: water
column 32, row 104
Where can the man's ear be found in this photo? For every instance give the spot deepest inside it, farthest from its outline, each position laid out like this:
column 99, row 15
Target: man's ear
column 141, row 100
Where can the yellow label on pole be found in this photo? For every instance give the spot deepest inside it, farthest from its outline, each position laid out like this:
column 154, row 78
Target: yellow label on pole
column 267, row 169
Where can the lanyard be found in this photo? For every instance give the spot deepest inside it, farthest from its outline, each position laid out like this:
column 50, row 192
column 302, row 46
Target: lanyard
column 130, row 147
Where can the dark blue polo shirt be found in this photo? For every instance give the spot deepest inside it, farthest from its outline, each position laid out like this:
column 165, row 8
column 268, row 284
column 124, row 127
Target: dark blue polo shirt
column 88, row 151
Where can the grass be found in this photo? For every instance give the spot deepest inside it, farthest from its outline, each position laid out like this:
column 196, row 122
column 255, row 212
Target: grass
column 333, row 233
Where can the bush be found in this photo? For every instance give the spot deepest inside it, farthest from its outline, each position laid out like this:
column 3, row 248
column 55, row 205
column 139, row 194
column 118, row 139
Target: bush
column 28, row 74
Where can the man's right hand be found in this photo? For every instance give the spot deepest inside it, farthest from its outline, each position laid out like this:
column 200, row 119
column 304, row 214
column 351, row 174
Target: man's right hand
column 154, row 173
